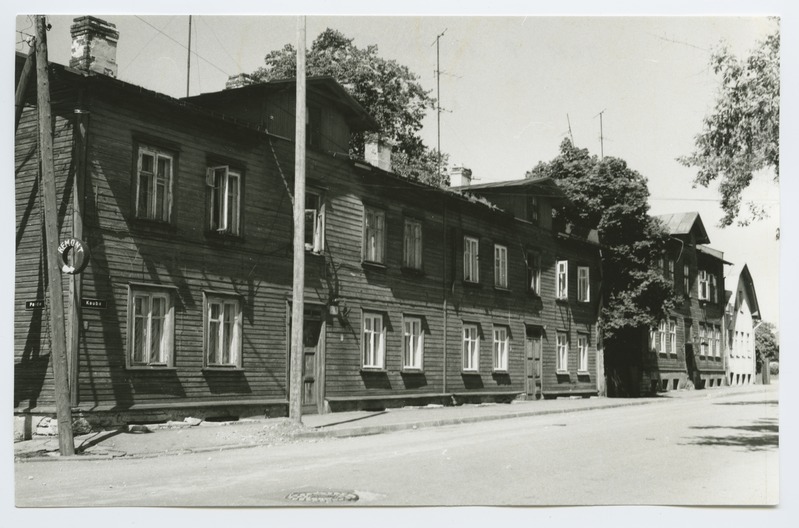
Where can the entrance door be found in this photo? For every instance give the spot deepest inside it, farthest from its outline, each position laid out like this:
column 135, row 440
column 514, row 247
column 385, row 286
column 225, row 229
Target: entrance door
column 532, row 348
column 312, row 358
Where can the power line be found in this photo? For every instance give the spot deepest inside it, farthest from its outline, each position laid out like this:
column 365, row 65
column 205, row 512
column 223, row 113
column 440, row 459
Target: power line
column 183, row 46
column 143, row 47
column 211, row 27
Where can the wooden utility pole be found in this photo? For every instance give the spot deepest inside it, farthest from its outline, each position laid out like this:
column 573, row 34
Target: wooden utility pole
column 22, row 86
column 188, row 61
column 297, row 298
column 66, row 443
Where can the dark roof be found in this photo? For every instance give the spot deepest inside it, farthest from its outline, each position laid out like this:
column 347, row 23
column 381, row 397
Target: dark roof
column 359, row 119
column 524, row 183
column 713, row 253
column 684, row 224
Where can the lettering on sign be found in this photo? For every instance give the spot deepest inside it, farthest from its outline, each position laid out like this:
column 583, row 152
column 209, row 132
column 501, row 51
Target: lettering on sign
column 74, row 255
column 34, row 305
column 93, row 303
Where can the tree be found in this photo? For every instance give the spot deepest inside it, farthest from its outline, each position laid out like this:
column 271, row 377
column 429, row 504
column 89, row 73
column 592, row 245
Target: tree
column 741, row 135
column 767, row 343
column 606, row 195
column 389, row 91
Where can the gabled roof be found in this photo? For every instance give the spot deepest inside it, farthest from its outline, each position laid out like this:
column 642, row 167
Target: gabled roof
column 360, row 119
column 740, row 274
column 684, row 224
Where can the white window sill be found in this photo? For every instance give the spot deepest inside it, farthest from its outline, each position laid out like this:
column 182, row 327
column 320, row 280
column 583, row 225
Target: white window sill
column 470, row 371
column 583, row 373
column 561, row 372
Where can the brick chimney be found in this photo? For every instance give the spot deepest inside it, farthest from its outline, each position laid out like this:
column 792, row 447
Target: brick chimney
column 460, row 177
column 377, row 151
column 239, row 80
column 94, row 46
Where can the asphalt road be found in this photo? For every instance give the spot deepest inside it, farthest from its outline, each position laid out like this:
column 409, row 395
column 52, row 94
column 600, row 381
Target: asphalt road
column 696, row 450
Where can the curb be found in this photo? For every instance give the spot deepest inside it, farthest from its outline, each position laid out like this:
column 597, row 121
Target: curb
column 319, row 432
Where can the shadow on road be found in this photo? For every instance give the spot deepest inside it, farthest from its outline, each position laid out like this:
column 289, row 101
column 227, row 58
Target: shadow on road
column 96, row 439
column 762, row 435
column 351, row 420
column 768, row 402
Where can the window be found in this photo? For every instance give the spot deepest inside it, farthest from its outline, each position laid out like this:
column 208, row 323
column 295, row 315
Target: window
column 501, row 345
column 583, row 284
column 374, row 335
column 686, row 279
column 314, row 223
column 562, row 285
column 412, row 245
column 413, row 343
column 670, row 272
column 653, row 338
column 704, row 286
column 713, row 289
column 374, row 235
column 582, row 350
column 154, row 184
column 662, row 335
column 471, row 259
column 563, row 352
column 471, row 348
column 717, row 340
column 222, row 331
column 702, row 339
column 150, row 327
column 500, row 266
column 225, row 203
column 534, row 272
column 532, row 209
column 673, row 337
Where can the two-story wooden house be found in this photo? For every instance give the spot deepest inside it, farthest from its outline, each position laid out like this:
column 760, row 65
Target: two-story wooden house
column 689, row 344
column 413, row 293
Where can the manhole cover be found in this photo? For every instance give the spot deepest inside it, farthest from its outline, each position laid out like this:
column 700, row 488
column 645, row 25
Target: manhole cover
column 322, row 496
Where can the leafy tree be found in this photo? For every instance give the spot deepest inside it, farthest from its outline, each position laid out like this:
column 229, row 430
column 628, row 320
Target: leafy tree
column 767, row 343
column 607, row 195
column 389, row 91
column 741, row 136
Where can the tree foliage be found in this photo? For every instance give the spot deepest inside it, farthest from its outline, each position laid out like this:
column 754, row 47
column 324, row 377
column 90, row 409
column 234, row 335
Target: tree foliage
column 605, row 194
column 741, row 135
column 767, row 343
column 389, row 91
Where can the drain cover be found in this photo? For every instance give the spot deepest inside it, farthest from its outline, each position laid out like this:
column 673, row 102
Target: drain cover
column 322, row 496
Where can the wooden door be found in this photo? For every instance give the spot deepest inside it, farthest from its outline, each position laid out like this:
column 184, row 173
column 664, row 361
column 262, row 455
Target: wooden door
column 312, row 358
column 532, row 348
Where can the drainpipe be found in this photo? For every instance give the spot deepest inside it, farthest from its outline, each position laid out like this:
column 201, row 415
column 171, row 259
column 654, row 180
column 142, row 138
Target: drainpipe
column 444, row 288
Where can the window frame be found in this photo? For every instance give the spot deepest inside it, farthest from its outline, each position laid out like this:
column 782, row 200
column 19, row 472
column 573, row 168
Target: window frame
column 500, row 266
column 533, row 212
column 214, row 197
column 156, row 151
column 224, row 299
column 583, row 345
column 703, row 282
column 379, row 248
column 413, row 260
column 470, row 356
column 317, row 242
column 686, row 279
column 563, row 294
column 583, row 284
column 471, row 261
column 501, row 348
column 167, row 342
column 562, row 353
column 672, row 336
column 663, row 328
column 534, row 272
column 409, row 366
column 378, row 354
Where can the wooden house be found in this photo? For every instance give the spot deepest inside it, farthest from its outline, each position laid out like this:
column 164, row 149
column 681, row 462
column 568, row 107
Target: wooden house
column 414, row 294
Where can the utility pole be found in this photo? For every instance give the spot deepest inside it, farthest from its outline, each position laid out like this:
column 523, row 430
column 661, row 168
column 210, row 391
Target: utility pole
column 188, row 61
column 570, row 129
column 438, row 105
column 297, row 298
column 601, row 137
column 66, row 443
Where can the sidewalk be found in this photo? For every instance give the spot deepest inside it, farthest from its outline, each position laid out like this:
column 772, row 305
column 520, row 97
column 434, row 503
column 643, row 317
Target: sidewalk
column 177, row 438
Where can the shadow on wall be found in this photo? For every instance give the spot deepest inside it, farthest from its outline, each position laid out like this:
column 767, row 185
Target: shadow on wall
column 761, row 435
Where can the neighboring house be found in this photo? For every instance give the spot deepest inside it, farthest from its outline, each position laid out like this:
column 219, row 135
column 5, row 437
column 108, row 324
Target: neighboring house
column 743, row 316
column 413, row 293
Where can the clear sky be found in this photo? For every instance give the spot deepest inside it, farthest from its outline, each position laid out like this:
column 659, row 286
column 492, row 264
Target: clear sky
column 507, row 86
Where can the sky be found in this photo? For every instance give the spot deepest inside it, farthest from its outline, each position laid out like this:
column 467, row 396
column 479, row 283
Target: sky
column 508, row 84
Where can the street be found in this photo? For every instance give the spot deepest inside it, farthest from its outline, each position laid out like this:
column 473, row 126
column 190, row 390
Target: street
column 702, row 448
